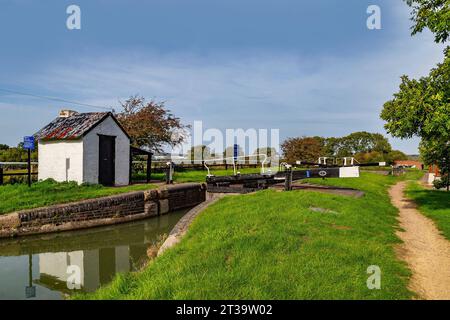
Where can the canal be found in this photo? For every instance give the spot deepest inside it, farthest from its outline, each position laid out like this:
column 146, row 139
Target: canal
column 38, row 267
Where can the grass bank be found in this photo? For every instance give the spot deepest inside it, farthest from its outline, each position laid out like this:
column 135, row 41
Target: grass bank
column 20, row 196
column 279, row 245
column 435, row 204
column 195, row 175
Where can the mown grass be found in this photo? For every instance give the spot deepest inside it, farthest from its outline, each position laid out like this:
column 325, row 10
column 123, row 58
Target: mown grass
column 20, row 196
column 196, row 175
column 435, row 204
column 272, row 245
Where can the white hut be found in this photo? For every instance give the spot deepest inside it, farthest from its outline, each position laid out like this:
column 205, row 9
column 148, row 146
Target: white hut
column 86, row 148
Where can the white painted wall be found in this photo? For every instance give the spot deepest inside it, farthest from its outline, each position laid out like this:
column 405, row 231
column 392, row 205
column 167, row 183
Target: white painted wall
column 91, row 152
column 349, row 172
column 61, row 160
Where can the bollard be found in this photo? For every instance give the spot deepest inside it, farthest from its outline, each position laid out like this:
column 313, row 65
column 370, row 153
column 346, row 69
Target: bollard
column 288, row 180
column 169, row 173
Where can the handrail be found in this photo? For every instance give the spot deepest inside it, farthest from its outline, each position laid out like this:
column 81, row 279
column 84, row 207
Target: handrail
column 234, row 162
column 16, row 163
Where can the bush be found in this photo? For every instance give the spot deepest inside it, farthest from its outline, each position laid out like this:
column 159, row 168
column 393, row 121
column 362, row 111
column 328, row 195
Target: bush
column 441, row 183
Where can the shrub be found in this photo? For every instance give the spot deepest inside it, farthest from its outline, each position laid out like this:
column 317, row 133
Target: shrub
column 441, row 183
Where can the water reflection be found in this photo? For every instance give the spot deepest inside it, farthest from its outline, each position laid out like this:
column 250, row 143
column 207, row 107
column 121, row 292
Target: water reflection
column 36, row 267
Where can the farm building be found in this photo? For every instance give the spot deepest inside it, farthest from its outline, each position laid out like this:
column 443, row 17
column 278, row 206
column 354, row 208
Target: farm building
column 86, row 148
column 409, row 164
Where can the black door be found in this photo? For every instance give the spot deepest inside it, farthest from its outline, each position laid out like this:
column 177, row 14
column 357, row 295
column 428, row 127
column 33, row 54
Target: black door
column 106, row 163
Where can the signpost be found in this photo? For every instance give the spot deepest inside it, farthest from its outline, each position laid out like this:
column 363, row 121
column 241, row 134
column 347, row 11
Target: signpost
column 28, row 144
column 235, row 156
column 235, row 151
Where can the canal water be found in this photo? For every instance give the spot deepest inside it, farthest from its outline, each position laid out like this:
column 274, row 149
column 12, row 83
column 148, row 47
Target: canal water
column 39, row 267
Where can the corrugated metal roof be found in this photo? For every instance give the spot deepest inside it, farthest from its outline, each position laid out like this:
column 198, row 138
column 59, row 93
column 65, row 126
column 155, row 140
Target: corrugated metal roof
column 70, row 128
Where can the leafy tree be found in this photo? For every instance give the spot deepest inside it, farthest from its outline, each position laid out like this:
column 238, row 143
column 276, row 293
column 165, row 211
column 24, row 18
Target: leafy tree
column 332, row 146
column 367, row 157
column 267, row 151
column 303, row 149
column 4, row 147
column 395, row 155
column 436, row 152
column 229, row 152
column 199, row 153
column 364, row 142
column 357, row 142
column 431, row 14
column 150, row 124
column 422, row 108
column 17, row 154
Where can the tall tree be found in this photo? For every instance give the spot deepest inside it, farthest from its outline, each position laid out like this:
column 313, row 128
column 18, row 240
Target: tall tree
column 302, row 149
column 431, row 14
column 150, row 124
column 422, row 108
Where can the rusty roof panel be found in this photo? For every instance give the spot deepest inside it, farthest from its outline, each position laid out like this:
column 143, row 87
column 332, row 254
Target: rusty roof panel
column 70, row 128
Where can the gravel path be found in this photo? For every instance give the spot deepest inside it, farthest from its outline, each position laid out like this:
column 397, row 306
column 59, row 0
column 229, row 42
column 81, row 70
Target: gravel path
column 424, row 249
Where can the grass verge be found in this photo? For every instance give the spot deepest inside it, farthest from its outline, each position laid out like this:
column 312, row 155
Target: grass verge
column 20, row 196
column 276, row 245
column 435, row 204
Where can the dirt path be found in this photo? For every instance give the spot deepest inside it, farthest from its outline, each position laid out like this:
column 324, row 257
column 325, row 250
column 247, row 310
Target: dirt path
column 425, row 250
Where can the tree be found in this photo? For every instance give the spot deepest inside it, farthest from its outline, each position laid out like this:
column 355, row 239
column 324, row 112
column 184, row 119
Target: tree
column 367, row 157
column 332, row 146
column 431, row 14
column 150, row 125
column 229, row 152
column 268, row 151
column 365, row 142
column 199, row 153
column 395, row 155
column 4, row 147
column 302, row 149
column 422, row 108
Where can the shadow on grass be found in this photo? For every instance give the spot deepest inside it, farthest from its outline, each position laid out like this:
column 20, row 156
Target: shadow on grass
column 433, row 199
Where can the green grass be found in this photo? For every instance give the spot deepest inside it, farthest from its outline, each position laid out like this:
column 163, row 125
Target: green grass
column 271, row 245
column 20, row 196
column 435, row 204
column 196, row 175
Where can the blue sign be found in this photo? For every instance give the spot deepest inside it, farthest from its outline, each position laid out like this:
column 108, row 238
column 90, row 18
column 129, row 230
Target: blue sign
column 235, row 151
column 308, row 174
column 28, row 142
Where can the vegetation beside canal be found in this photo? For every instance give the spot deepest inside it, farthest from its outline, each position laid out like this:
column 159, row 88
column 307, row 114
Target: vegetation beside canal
column 435, row 204
column 20, row 196
column 280, row 245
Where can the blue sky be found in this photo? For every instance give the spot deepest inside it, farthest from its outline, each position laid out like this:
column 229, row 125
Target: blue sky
column 304, row 67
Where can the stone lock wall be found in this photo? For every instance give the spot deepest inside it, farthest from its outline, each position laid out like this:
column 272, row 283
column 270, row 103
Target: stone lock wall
column 107, row 207
column 107, row 210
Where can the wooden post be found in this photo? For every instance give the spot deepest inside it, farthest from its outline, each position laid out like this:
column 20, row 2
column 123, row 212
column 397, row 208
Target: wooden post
column 288, row 180
column 130, row 170
column 1, row 175
column 149, row 168
column 29, row 168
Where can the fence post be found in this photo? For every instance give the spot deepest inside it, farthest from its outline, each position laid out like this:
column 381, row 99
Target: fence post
column 288, row 180
column 1, row 175
column 29, row 168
